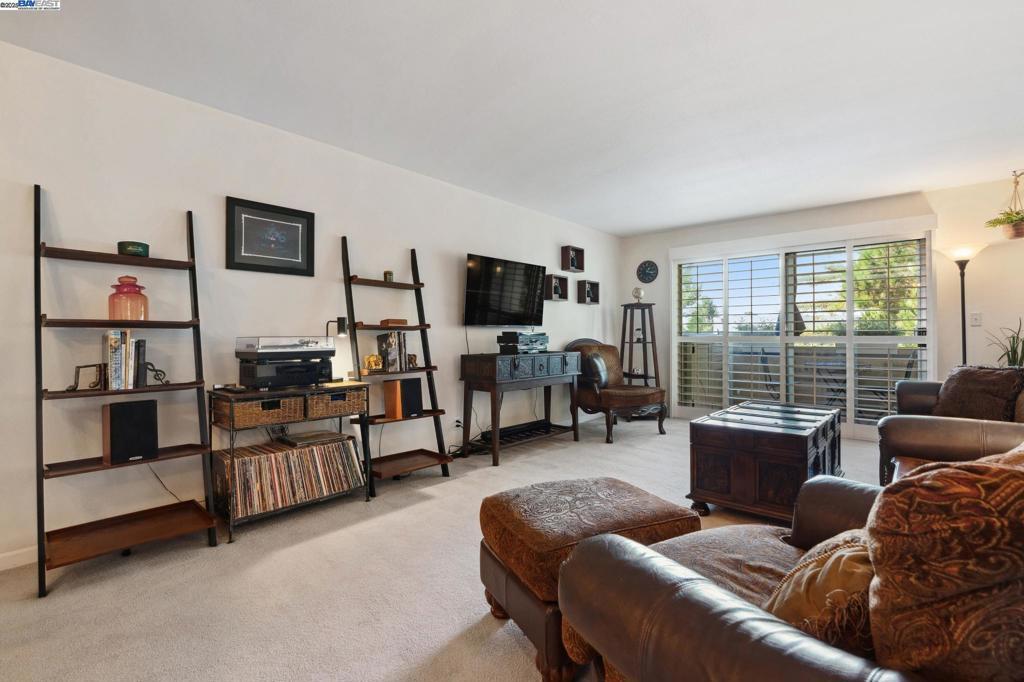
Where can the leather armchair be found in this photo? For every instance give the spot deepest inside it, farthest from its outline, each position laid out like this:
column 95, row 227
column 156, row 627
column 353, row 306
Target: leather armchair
column 913, row 435
column 603, row 389
column 651, row 618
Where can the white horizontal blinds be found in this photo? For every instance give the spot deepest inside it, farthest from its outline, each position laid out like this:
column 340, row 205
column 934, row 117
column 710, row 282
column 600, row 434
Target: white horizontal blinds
column 753, row 372
column 699, row 383
column 816, row 375
column 890, row 288
column 877, row 368
column 754, row 295
column 816, row 292
column 701, row 297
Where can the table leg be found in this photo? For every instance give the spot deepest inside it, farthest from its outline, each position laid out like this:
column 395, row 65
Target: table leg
column 574, row 410
column 467, row 417
column 495, row 425
column 547, row 404
column 364, row 434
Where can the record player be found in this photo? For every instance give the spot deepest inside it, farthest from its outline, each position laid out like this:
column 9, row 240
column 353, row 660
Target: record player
column 283, row 361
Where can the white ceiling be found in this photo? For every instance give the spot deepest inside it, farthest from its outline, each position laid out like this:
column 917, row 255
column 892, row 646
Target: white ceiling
column 625, row 116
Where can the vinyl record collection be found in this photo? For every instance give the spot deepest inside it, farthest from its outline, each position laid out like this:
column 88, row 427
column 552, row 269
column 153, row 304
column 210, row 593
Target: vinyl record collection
column 274, row 476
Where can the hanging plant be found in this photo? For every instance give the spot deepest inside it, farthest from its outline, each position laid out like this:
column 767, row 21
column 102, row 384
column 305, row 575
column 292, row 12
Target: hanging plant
column 1012, row 219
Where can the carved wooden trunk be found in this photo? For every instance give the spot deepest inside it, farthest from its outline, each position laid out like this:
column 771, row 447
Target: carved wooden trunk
column 755, row 456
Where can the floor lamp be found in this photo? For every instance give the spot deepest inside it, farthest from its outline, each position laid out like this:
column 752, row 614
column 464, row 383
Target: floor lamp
column 962, row 255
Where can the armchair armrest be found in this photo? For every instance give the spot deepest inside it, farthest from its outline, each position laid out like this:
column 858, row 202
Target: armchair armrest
column 651, row 618
column 917, row 397
column 827, row 506
column 942, row 439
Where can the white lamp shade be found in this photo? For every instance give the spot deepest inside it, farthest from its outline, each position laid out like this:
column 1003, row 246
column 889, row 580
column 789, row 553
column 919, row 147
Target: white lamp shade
column 957, row 252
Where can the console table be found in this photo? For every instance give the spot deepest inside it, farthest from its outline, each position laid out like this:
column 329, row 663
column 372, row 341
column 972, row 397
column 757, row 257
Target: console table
column 496, row 373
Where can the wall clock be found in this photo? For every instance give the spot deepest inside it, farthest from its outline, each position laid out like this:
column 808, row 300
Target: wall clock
column 647, row 271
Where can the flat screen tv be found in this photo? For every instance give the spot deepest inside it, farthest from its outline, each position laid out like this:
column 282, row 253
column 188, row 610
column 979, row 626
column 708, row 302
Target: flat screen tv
column 503, row 293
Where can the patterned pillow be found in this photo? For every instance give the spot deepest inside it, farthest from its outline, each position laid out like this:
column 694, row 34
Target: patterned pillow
column 826, row 594
column 947, row 547
column 980, row 393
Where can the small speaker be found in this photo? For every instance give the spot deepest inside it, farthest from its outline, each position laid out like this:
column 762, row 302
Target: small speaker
column 403, row 398
column 129, row 431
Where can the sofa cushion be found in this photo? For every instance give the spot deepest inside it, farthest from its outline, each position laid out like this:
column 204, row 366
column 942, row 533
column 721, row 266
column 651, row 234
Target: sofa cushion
column 748, row 560
column 947, row 546
column 610, row 355
column 826, row 594
column 534, row 528
column 980, row 393
column 902, row 466
column 1018, row 413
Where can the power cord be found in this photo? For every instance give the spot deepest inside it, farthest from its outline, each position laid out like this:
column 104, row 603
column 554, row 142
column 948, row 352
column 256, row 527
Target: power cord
column 161, row 481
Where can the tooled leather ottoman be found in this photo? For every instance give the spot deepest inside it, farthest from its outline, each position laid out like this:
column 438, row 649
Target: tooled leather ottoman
column 528, row 533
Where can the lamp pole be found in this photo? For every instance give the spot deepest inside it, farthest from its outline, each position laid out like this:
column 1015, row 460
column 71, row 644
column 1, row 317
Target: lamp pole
column 962, row 264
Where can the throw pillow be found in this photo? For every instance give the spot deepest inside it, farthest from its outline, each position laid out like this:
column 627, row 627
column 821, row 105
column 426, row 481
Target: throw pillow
column 980, row 393
column 947, row 547
column 826, row 594
column 1018, row 413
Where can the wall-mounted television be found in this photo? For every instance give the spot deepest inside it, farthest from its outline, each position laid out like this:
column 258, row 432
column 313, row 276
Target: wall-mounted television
column 503, row 293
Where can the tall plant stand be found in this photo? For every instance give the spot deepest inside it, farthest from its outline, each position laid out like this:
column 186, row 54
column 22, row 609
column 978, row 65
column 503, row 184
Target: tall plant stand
column 638, row 350
column 69, row 545
column 399, row 463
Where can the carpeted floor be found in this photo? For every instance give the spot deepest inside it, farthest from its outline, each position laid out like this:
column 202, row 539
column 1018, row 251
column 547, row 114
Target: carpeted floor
column 345, row 591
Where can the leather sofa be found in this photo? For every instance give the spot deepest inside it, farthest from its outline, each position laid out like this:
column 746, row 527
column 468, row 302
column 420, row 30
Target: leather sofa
column 914, row 436
column 687, row 608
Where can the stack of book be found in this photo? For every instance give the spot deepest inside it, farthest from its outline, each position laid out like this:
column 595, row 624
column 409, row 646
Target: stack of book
column 275, row 476
column 125, row 360
column 393, row 356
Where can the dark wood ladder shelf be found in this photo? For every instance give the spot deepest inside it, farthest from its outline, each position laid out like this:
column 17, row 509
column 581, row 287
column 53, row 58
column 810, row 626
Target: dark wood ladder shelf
column 73, row 467
column 65, row 546
column 402, row 463
column 70, row 545
column 114, row 258
column 364, row 282
column 158, row 388
column 118, row 324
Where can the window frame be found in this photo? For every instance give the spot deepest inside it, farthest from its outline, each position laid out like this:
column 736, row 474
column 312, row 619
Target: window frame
column 725, row 251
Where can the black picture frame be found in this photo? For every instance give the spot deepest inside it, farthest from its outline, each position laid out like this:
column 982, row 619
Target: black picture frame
column 280, row 240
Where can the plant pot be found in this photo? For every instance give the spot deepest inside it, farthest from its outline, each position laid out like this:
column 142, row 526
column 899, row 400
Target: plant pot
column 1014, row 230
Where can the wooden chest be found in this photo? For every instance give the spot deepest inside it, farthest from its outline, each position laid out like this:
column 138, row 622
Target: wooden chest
column 498, row 368
column 755, row 456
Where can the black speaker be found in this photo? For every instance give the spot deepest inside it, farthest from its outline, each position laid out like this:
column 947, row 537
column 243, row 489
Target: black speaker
column 129, row 431
column 412, row 397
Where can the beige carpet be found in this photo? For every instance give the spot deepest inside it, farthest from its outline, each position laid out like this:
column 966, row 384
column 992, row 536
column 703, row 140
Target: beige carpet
column 386, row 590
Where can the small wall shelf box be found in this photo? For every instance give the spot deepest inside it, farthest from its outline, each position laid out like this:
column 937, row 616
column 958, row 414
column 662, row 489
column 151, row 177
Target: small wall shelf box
column 588, row 292
column 553, row 292
column 573, row 259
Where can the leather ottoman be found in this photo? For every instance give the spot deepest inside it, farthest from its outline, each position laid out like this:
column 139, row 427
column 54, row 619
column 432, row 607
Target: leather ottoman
column 528, row 532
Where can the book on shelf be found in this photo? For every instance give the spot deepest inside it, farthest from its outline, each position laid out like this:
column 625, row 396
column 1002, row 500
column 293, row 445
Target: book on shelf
column 272, row 476
column 391, row 347
column 113, row 356
column 124, row 358
column 139, row 361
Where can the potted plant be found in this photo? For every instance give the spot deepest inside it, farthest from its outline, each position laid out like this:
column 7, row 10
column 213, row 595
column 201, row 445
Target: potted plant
column 1011, row 343
column 1012, row 219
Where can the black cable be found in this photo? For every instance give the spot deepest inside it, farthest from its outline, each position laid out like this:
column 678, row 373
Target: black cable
column 161, row 481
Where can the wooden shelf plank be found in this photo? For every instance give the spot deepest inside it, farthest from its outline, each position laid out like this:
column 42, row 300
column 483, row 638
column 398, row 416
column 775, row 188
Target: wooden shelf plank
column 73, row 467
column 391, row 328
column 412, row 370
column 406, row 462
column 70, row 545
column 377, row 419
column 117, row 324
column 158, row 388
column 115, row 258
column 365, row 282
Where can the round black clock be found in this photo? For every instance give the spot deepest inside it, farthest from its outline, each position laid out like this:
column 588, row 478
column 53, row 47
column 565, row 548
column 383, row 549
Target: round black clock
column 647, row 271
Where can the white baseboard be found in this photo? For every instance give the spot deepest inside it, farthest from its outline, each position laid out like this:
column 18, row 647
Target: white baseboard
column 17, row 557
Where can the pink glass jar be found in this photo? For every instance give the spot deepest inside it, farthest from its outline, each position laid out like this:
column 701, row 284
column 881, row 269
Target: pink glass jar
column 127, row 302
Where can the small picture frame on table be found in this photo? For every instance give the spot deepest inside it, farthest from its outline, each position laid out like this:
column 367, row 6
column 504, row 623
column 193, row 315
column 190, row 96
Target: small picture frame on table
column 267, row 238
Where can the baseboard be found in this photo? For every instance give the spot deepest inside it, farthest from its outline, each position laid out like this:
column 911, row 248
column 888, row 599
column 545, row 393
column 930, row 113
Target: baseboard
column 17, row 557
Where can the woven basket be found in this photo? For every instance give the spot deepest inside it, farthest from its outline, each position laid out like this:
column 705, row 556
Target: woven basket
column 339, row 404
column 265, row 412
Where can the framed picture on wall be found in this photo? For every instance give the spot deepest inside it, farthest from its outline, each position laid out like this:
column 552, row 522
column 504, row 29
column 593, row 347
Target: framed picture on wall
column 268, row 238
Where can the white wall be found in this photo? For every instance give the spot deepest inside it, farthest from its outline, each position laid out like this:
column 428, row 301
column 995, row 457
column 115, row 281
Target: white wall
column 995, row 278
column 119, row 161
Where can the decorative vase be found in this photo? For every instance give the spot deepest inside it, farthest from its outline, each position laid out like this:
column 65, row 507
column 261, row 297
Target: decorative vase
column 1014, row 230
column 127, row 302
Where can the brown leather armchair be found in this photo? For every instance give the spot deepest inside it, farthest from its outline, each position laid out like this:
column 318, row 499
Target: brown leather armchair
column 913, row 436
column 602, row 387
column 688, row 609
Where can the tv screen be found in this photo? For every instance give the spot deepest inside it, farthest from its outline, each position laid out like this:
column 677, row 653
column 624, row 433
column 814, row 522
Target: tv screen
column 503, row 292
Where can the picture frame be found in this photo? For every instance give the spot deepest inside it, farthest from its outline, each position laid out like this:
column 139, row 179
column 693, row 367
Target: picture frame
column 267, row 238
